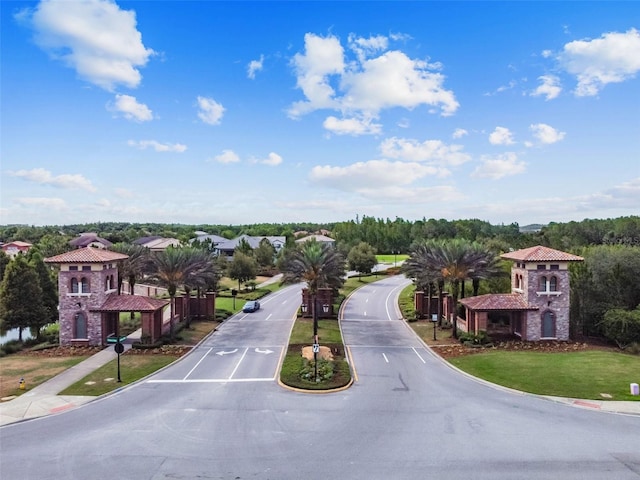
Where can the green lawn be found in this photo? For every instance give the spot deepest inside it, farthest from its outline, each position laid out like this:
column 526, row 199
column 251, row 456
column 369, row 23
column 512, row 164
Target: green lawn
column 132, row 368
column 585, row 374
column 391, row 258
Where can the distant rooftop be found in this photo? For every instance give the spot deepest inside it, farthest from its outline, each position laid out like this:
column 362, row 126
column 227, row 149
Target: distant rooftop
column 541, row 254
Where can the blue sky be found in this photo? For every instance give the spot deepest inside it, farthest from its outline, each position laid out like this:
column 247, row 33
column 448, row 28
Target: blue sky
column 247, row 112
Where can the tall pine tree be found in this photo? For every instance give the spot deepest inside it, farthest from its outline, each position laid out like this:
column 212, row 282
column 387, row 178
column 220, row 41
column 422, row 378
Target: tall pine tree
column 20, row 297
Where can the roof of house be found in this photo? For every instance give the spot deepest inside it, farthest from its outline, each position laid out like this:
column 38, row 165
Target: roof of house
column 214, row 239
column 18, row 243
column 87, row 255
column 317, row 238
column 86, row 239
column 497, row 301
column 145, row 240
column 162, row 243
column 254, row 242
column 131, row 303
column 541, row 254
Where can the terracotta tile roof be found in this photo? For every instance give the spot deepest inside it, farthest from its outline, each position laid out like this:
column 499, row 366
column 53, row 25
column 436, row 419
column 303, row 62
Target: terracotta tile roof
column 87, row 255
column 131, row 303
column 18, row 243
column 497, row 301
column 541, row 254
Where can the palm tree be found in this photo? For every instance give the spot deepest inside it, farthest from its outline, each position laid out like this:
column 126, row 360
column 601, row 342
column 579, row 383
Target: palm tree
column 203, row 272
column 456, row 260
column 488, row 266
column 419, row 268
column 452, row 261
column 173, row 268
column 319, row 265
column 131, row 268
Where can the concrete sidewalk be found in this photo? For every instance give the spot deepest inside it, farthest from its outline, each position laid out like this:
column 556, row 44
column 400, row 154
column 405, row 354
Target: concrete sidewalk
column 44, row 399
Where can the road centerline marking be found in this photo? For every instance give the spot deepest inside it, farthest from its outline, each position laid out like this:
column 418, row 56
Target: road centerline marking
column 385, row 358
column 239, row 362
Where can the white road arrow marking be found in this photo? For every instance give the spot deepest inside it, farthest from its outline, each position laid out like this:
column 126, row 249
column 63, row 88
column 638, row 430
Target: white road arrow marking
column 266, row 352
column 226, row 353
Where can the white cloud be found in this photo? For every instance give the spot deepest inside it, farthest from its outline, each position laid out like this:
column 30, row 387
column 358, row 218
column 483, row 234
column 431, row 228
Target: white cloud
column 368, row 84
column 502, row 88
column 433, row 151
column 94, row 37
column 322, row 57
column 546, row 134
column 131, row 109
column 361, row 176
column 459, row 133
column 157, row 146
column 549, row 88
column 227, row 156
column 273, row 160
column 366, row 47
column 255, row 66
column 395, row 80
column 210, row 111
column 44, row 177
column 352, row 126
column 501, row 136
column 498, row 167
column 612, row 58
column 42, row 202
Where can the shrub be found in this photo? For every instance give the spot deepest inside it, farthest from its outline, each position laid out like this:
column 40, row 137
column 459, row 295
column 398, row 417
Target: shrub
column 12, row 346
column 622, row 326
column 51, row 333
column 471, row 339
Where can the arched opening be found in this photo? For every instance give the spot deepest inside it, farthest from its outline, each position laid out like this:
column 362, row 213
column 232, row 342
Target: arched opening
column 548, row 324
column 74, row 285
column 80, row 325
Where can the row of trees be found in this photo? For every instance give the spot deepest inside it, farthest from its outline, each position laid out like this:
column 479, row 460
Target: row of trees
column 605, row 293
column 435, row 263
column 384, row 235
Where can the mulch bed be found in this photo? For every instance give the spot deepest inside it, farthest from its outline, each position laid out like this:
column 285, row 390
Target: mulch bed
column 457, row 350
column 177, row 350
column 67, row 351
column 70, row 351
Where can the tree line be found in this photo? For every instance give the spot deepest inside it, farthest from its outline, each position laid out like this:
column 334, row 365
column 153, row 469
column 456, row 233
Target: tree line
column 605, row 287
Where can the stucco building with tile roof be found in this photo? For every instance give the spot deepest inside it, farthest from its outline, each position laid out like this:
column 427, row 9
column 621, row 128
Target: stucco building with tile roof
column 89, row 304
column 537, row 307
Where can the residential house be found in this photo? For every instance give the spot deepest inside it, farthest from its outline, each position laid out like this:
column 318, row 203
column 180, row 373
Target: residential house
column 227, row 247
column 89, row 239
column 14, row 248
column 317, row 238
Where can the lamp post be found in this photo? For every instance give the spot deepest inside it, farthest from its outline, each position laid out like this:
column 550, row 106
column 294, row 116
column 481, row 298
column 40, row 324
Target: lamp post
column 316, row 345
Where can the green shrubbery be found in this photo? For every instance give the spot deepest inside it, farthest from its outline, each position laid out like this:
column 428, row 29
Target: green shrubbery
column 473, row 340
column 622, row 326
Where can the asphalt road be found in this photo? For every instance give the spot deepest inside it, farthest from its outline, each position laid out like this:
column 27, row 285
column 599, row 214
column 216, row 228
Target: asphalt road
column 219, row 414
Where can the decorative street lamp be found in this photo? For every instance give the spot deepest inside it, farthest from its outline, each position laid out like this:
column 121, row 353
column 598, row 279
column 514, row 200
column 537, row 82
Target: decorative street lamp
column 316, row 345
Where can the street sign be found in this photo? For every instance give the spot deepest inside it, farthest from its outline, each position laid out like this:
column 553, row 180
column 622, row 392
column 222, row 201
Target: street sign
column 434, row 317
column 316, row 347
column 119, row 348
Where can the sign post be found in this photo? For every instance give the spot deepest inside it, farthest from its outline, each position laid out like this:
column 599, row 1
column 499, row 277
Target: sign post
column 434, row 320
